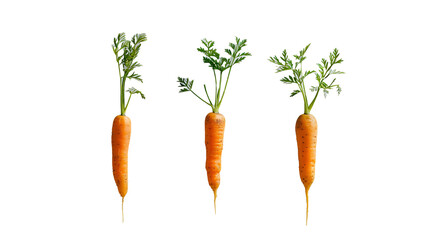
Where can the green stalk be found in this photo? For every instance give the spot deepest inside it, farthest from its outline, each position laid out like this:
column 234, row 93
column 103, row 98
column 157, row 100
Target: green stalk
column 226, row 84
column 123, row 94
column 306, row 109
column 216, row 96
column 200, row 98
column 314, row 100
column 304, row 93
column 301, row 88
column 129, row 98
column 217, row 103
column 120, row 87
column 208, row 97
column 220, row 86
column 122, row 99
column 216, row 63
column 130, row 51
column 318, row 90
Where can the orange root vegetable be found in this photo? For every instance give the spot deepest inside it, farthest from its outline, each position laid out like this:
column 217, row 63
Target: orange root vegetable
column 121, row 133
column 306, row 137
column 306, row 125
column 215, row 122
column 126, row 52
column 214, row 130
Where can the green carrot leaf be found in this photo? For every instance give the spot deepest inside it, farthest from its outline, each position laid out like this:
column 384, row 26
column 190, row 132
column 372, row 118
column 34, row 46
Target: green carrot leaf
column 295, row 92
column 298, row 75
column 338, row 89
column 219, row 65
column 132, row 90
column 136, row 77
column 288, row 80
column 314, row 89
column 184, row 84
column 325, row 92
column 126, row 52
column 283, row 64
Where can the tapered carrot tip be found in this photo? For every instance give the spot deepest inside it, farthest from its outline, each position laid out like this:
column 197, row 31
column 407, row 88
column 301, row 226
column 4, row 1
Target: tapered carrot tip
column 122, row 209
column 306, row 197
column 215, row 196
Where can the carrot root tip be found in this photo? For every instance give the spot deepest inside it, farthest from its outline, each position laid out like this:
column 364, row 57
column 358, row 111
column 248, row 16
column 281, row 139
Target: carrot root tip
column 122, row 209
column 306, row 198
column 215, row 196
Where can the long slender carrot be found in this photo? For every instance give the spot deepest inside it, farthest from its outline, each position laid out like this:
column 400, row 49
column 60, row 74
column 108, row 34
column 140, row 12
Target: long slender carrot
column 215, row 122
column 306, row 137
column 214, row 130
column 121, row 130
column 121, row 134
column 306, row 124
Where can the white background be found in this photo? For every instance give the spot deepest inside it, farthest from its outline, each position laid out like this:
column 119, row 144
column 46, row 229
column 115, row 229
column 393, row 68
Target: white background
column 60, row 92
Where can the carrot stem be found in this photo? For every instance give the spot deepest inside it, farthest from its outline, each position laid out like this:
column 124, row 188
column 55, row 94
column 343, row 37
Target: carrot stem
column 216, row 96
column 205, row 89
column 128, row 102
column 226, row 84
column 123, row 95
column 120, row 84
column 314, row 99
column 200, row 98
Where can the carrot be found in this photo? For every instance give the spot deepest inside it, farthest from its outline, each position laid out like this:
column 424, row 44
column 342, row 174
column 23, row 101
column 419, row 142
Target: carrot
column 306, row 124
column 121, row 130
column 215, row 122
column 121, row 133
column 306, row 137
column 214, row 129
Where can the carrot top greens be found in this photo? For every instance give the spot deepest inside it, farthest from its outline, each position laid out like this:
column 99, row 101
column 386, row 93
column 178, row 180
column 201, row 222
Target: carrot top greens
column 216, row 63
column 126, row 59
column 298, row 75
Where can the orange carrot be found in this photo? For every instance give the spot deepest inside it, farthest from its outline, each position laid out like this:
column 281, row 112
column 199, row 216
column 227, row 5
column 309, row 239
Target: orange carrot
column 121, row 130
column 306, row 137
column 306, row 125
column 214, row 129
column 121, row 133
column 215, row 122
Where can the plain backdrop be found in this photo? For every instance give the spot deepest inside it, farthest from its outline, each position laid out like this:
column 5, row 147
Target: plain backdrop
column 59, row 93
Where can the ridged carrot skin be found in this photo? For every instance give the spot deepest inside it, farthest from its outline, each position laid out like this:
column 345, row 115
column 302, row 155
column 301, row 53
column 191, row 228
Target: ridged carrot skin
column 121, row 133
column 306, row 137
column 214, row 131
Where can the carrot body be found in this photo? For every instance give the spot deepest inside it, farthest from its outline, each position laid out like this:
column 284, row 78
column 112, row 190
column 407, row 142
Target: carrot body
column 214, row 130
column 121, row 133
column 306, row 137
